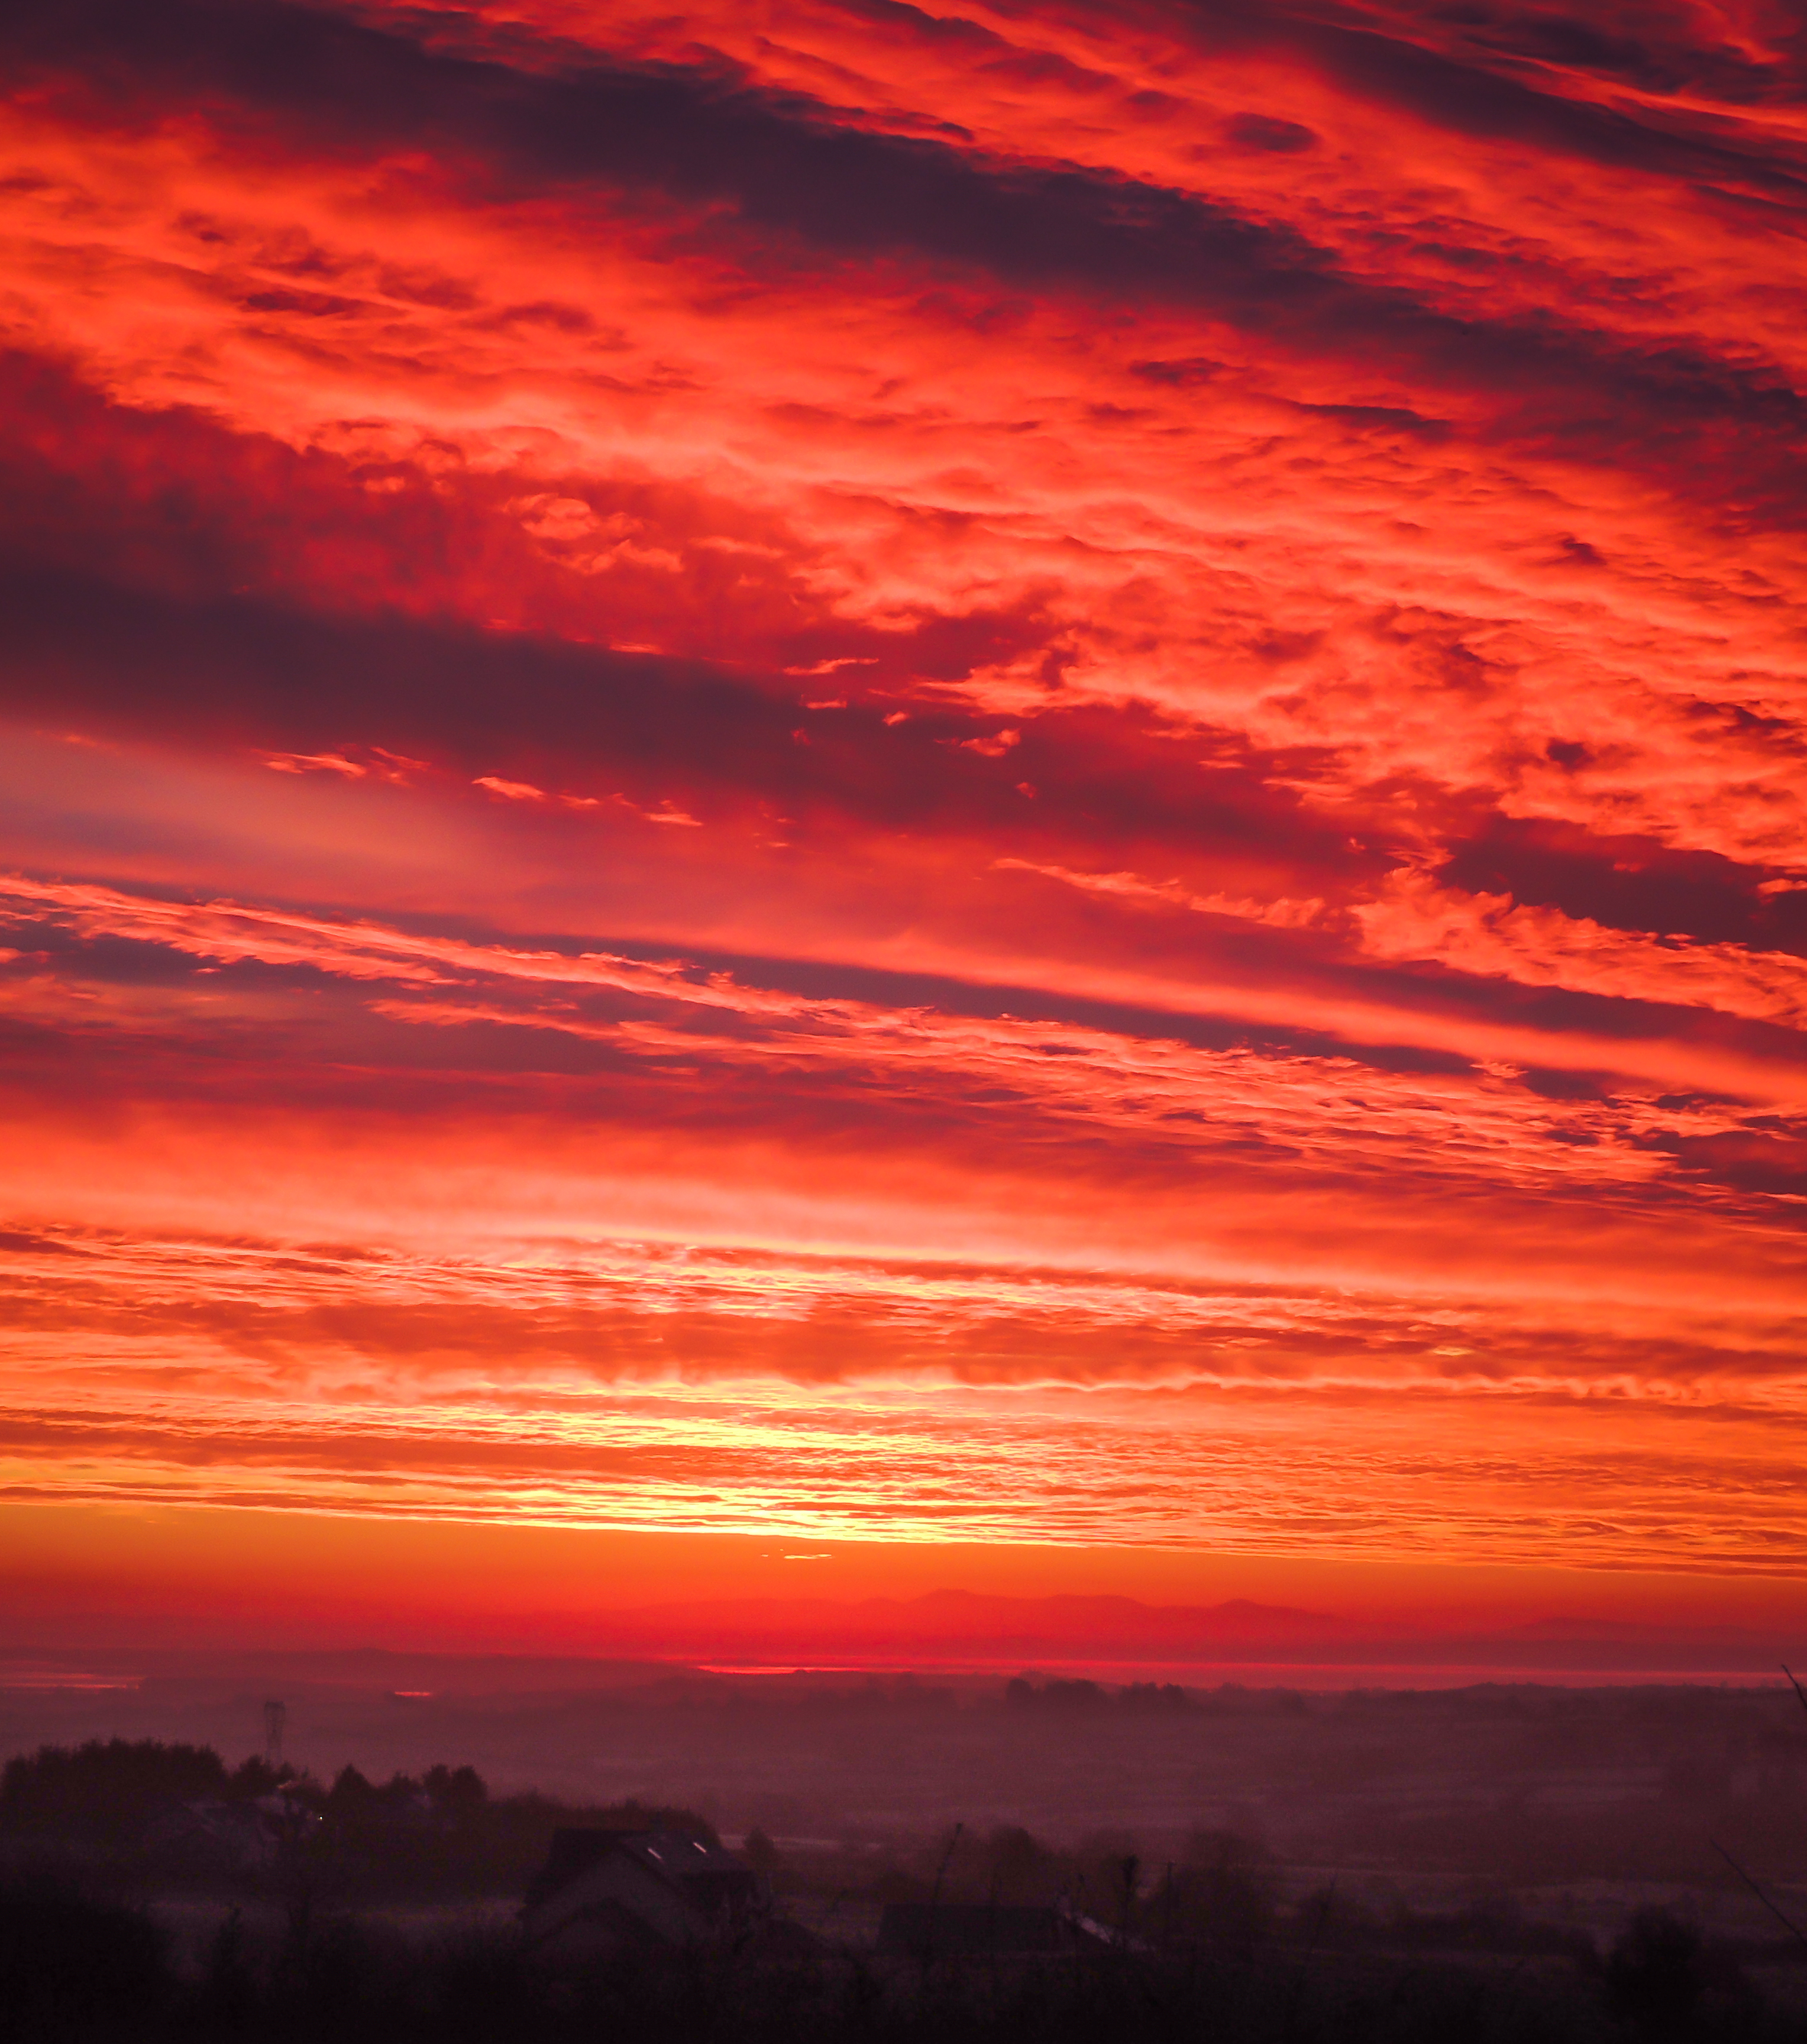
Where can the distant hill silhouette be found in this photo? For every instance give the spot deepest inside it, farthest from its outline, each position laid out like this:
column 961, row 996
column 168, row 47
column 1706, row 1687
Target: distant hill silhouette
column 955, row 1625
column 953, row 1620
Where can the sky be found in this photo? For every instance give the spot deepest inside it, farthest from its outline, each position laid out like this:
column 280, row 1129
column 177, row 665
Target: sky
column 1010, row 792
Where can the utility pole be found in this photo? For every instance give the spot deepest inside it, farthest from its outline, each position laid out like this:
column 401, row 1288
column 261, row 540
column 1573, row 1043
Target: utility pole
column 275, row 1716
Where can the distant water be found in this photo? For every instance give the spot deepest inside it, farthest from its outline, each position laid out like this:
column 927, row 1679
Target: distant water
column 52, row 1675
column 44, row 1675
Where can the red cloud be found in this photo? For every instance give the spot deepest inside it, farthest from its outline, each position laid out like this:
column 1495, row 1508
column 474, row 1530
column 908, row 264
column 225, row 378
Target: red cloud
column 1294, row 905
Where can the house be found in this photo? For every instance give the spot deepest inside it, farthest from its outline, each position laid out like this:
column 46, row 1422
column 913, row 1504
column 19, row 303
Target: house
column 210, row 1837
column 985, row 1930
column 602, row 1892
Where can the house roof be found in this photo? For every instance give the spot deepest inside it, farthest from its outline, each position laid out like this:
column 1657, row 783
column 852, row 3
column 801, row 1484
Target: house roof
column 681, row 1854
column 704, row 1874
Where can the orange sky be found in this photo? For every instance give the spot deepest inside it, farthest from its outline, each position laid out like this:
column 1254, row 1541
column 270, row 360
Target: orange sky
column 1018, row 786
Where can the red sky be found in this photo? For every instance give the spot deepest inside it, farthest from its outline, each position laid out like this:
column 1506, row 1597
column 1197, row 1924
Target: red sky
column 1018, row 786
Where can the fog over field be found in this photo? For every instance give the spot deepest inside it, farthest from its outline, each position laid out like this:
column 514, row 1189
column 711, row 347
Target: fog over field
column 1571, row 1848
column 1570, row 1799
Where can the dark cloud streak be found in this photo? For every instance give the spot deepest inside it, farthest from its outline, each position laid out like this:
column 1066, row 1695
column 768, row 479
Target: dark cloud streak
column 785, row 168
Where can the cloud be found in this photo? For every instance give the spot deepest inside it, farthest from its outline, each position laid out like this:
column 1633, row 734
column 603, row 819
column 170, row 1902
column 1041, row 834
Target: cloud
column 788, row 167
column 1132, row 887
column 512, row 791
column 1051, row 764
column 319, row 762
column 1541, row 946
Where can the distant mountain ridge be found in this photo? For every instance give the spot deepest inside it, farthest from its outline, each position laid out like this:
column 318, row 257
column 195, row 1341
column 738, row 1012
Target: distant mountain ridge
column 968, row 1626
column 969, row 1617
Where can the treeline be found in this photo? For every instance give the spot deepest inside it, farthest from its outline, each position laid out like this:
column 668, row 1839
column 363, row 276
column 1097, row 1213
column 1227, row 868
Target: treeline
column 1082, row 1695
column 111, row 1789
column 440, row 1833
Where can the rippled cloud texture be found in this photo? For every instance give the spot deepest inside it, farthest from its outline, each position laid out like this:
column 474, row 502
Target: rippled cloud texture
column 976, row 771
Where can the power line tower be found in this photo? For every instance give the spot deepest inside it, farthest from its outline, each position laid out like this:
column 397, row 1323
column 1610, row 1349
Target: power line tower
column 275, row 1716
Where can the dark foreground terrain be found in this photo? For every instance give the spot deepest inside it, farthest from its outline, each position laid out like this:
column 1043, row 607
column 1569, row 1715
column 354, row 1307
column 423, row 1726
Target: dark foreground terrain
column 76, row 1968
column 1493, row 1863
